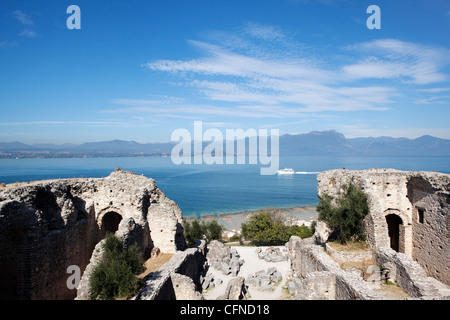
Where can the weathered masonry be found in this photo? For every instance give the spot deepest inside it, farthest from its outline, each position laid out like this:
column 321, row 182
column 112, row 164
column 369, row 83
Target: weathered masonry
column 46, row 226
column 409, row 212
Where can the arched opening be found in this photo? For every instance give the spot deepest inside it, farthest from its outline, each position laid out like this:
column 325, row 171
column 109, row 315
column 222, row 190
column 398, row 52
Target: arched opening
column 110, row 222
column 394, row 222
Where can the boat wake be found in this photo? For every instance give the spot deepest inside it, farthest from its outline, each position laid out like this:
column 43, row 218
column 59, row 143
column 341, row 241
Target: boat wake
column 306, row 172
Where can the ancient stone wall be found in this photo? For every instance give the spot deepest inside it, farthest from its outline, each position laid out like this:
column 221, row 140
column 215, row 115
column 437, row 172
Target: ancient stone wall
column 431, row 224
column 178, row 279
column 409, row 275
column 322, row 278
column 47, row 226
column 409, row 212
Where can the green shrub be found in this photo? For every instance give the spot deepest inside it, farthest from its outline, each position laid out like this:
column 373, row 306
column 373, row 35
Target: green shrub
column 346, row 216
column 193, row 231
column 269, row 229
column 212, row 230
column 235, row 238
column 196, row 230
column 115, row 275
column 301, row 231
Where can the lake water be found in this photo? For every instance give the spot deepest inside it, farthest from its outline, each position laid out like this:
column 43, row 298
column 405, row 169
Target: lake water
column 214, row 189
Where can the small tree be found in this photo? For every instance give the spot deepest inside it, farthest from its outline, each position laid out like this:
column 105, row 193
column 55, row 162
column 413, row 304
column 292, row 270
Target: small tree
column 195, row 230
column 115, row 275
column 265, row 229
column 212, row 230
column 346, row 216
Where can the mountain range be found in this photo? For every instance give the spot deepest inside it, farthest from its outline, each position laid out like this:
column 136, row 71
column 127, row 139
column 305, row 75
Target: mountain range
column 312, row 143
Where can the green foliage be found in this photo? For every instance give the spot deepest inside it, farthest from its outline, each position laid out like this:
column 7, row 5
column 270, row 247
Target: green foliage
column 212, row 230
column 192, row 231
column 195, row 230
column 301, row 231
column 115, row 275
column 269, row 229
column 347, row 214
column 235, row 238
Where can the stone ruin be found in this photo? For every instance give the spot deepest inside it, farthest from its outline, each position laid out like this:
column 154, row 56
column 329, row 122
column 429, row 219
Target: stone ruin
column 265, row 279
column 271, row 254
column 47, row 226
column 409, row 212
column 407, row 229
column 224, row 258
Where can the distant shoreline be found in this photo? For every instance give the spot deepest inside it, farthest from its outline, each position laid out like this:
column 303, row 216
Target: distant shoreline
column 232, row 221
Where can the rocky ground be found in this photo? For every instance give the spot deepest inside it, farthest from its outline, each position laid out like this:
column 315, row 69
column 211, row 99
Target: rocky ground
column 266, row 271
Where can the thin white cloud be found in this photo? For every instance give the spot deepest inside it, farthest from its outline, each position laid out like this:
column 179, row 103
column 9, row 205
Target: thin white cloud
column 275, row 82
column 264, row 32
column 434, row 100
column 28, row 33
column 7, row 44
column 88, row 123
column 23, row 18
column 434, row 90
column 395, row 59
column 266, row 83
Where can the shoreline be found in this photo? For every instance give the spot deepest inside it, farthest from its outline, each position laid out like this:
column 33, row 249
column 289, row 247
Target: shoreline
column 232, row 221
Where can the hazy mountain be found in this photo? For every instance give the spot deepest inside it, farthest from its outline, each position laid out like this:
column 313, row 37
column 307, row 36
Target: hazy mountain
column 312, row 143
column 315, row 143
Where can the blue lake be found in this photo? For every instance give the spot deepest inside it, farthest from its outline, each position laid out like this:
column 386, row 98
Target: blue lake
column 213, row 189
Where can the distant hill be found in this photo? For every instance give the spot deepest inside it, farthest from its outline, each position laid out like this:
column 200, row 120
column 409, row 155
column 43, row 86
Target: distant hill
column 312, row 143
column 335, row 143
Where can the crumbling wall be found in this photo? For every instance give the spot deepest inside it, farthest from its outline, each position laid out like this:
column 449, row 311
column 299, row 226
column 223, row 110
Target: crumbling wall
column 410, row 276
column 178, row 279
column 430, row 198
column 419, row 200
column 47, row 226
column 321, row 277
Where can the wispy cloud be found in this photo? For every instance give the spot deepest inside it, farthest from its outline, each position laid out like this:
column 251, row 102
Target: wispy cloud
column 395, row 59
column 64, row 123
column 28, row 33
column 25, row 19
column 264, row 32
column 298, row 85
column 7, row 44
column 250, row 79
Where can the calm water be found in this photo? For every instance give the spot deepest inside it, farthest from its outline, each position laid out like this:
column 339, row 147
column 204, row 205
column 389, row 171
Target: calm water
column 206, row 189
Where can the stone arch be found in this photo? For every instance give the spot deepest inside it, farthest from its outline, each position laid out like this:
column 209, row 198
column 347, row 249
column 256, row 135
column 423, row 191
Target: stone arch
column 399, row 231
column 108, row 220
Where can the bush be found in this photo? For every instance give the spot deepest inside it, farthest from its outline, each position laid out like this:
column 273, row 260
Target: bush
column 212, row 230
column 301, row 231
column 235, row 238
column 346, row 216
column 115, row 275
column 269, row 229
column 195, row 230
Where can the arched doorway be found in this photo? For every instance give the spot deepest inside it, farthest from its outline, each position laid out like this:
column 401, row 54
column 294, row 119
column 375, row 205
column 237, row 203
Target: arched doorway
column 394, row 221
column 110, row 222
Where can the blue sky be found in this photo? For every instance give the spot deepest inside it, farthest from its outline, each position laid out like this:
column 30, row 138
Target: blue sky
column 138, row 70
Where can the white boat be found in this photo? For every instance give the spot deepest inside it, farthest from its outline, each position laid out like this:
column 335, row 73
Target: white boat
column 286, row 171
